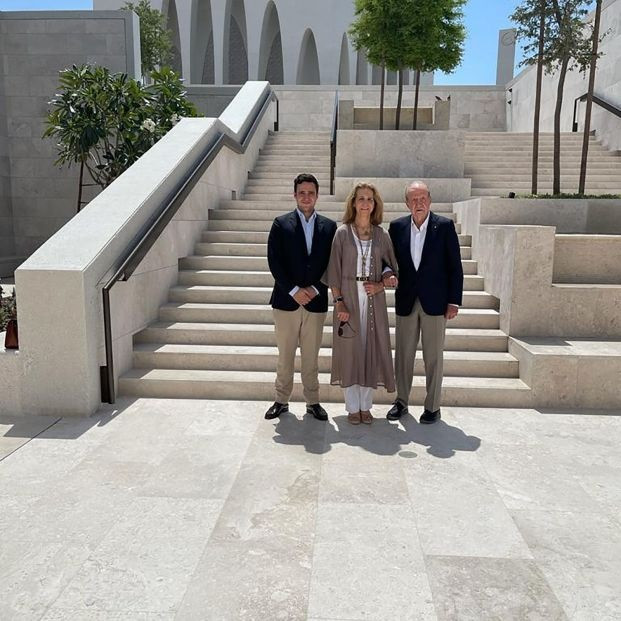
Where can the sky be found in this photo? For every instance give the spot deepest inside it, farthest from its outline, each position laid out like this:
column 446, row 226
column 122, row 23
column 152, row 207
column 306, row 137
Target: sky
column 483, row 19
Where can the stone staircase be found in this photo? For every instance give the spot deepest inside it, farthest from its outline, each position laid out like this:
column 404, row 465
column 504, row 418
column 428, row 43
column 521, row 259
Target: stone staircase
column 215, row 337
column 501, row 162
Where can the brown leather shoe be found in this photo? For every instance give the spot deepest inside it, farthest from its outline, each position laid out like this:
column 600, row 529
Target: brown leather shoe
column 366, row 417
column 354, row 418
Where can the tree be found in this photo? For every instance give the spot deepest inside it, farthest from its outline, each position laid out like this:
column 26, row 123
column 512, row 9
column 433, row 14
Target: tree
column 530, row 18
column 106, row 121
column 589, row 105
column 397, row 34
column 376, row 22
column 155, row 38
column 435, row 40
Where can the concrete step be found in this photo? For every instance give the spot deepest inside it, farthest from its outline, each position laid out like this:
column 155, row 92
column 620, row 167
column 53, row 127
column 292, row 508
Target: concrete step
column 302, row 157
column 260, row 250
column 260, row 237
column 541, row 190
column 484, row 318
column 283, row 198
column 205, row 294
column 262, row 225
column 198, row 333
column 284, row 177
column 246, row 278
column 259, row 263
column 248, row 358
column 322, row 206
column 259, row 385
column 292, row 170
column 323, row 149
column 543, row 168
column 260, row 215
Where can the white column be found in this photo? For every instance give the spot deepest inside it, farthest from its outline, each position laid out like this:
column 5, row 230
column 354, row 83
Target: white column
column 255, row 13
column 218, row 9
column 184, row 20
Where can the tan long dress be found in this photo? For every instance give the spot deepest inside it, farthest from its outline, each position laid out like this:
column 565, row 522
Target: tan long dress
column 352, row 363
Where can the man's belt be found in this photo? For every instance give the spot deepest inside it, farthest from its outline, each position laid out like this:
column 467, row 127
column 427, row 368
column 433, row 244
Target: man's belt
column 363, row 278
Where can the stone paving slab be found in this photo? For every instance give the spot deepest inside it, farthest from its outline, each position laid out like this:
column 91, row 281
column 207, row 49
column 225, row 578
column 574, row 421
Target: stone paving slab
column 154, row 510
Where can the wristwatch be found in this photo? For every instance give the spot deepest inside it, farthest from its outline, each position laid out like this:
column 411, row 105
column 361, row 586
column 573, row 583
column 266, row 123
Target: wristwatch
column 337, row 299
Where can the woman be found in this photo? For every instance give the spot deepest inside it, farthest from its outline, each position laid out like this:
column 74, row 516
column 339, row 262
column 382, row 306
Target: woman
column 361, row 265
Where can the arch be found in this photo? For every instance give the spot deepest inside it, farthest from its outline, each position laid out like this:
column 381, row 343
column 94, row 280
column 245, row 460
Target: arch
column 362, row 68
column 172, row 23
column 308, row 61
column 344, row 61
column 235, row 43
column 202, row 52
column 271, row 66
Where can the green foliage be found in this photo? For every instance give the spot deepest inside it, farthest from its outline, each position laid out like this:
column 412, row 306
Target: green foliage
column 107, row 121
column 566, row 36
column 418, row 34
column 155, row 38
column 8, row 309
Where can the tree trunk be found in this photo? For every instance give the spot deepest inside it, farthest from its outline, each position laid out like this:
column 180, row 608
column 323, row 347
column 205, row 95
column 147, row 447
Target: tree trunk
column 399, row 100
column 589, row 105
column 80, row 185
column 556, row 185
column 416, row 99
column 538, row 100
column 381, row 124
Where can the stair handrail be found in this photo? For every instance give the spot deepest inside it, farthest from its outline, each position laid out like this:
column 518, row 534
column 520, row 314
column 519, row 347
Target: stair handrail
column 596, row 100
column 142, row 243
column 335, row 126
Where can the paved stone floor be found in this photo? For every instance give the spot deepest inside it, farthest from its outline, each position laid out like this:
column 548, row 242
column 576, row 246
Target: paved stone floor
column 161, row 510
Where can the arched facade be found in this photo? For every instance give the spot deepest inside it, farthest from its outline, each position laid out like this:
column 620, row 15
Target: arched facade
column 169, row 9
column 201, row 44
column 231, row 41
column 235, row 43
column 308, row 62
column 271, row 67
column 344, row 62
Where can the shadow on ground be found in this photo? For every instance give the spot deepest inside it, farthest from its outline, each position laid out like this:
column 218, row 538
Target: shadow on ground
column 381, row 438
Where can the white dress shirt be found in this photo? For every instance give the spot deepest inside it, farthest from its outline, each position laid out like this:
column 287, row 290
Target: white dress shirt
column 417, row 241
column 308, row 226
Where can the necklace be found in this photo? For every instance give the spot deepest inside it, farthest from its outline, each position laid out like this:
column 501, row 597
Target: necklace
column 364, row 253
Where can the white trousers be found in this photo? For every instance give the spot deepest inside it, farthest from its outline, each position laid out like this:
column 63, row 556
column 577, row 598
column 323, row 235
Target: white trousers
column 360, row 398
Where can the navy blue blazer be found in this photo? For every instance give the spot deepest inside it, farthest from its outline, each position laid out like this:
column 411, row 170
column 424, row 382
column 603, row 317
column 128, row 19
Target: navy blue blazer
column 439, row 280
column 292, row 266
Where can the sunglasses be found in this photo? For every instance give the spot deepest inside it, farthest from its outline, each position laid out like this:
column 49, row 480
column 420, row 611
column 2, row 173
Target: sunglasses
column 345, row 330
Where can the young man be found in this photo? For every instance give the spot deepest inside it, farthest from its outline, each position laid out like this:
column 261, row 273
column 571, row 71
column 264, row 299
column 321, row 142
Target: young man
column 429, row 293
column 298, row 251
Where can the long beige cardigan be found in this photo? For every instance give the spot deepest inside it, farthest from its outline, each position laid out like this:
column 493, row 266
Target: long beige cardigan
column 349, row 365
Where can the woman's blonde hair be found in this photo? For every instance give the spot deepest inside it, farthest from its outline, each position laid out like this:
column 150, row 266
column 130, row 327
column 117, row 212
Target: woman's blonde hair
column 350, row 210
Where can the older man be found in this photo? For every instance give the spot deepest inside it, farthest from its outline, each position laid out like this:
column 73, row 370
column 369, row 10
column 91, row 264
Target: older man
column 429, row 293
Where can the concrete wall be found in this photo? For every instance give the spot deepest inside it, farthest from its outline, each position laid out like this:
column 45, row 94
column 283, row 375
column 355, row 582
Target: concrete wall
column 594, row 259
column 61, row 342
column 34, row 47
column 211, row 101
column 607, row 86
column 474, row 108
column 517, row 261
column 400, row 154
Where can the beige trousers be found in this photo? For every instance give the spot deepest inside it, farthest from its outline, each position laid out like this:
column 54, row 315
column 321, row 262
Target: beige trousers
column 432, row 329
column 306, row 329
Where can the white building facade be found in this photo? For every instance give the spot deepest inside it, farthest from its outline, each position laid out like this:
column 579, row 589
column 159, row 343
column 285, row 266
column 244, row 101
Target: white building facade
column 282, row 41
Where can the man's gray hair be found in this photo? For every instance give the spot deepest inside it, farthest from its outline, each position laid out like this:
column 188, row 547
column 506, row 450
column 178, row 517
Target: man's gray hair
column 414, row 184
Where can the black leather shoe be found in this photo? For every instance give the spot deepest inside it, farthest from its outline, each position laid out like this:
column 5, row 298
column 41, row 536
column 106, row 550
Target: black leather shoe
column 276, row 410
column 317, row 411
column 430, row 417
column 397, row 410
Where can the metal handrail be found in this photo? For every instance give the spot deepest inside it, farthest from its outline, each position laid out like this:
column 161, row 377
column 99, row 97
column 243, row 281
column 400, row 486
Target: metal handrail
column 141, row 245
column 335, row 126
column 596, row 100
